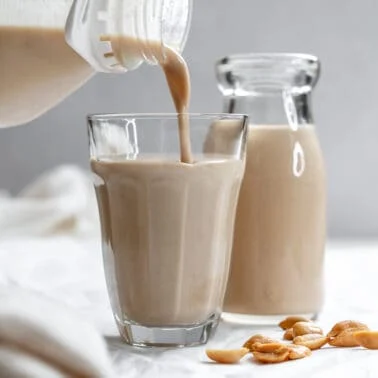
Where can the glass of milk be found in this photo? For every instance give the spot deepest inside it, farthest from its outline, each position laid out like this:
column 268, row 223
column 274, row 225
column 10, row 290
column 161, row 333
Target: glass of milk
column 167, row 225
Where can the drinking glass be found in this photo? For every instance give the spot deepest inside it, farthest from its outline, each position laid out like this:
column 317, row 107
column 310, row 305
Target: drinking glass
column 167, row 226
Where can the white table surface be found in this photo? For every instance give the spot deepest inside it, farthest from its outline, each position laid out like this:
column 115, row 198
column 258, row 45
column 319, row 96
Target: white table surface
column 70, row 269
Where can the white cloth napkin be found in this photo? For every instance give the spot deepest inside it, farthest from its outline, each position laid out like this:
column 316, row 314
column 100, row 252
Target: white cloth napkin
column 43, row 339
column 59, row 202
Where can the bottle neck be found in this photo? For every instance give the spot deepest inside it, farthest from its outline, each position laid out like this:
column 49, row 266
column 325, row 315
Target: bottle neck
column 273, row 88
column 119, row 35
column 278, row 108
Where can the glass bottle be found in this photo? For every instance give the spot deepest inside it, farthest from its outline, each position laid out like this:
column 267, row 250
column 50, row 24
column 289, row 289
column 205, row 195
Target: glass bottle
column 38, row 69
column 280, row 228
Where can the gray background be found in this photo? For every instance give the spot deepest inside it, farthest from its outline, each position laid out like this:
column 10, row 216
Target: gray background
column 342, row 33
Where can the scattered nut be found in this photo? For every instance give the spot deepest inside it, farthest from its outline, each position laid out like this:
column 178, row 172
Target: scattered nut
column 306, row 337
column 342, row 333
column 226, row 356
column 270, row 353
column 291, row 320
column 288, row 335
column 346, row 324
column 258, row 339
column 298, row 351
column 312, row 340
column 367, row 339
column 344, row 339
column 305, row 328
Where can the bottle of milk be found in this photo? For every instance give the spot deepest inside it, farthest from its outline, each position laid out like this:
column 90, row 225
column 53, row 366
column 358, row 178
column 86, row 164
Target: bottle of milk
column 48, row 49
column 280, row 228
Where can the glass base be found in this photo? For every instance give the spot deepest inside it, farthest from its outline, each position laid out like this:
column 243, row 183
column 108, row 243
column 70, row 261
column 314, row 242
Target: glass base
column 261, row 319
column 169, row 337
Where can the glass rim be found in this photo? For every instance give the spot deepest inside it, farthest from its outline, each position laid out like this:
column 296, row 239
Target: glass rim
column 267, row 73
column 164, row 116
column 266, row 56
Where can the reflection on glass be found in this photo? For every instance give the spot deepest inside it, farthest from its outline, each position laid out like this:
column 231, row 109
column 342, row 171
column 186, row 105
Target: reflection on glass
column 299, row 163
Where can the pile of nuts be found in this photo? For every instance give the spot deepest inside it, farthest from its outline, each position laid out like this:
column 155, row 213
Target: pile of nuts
column 304, row 336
